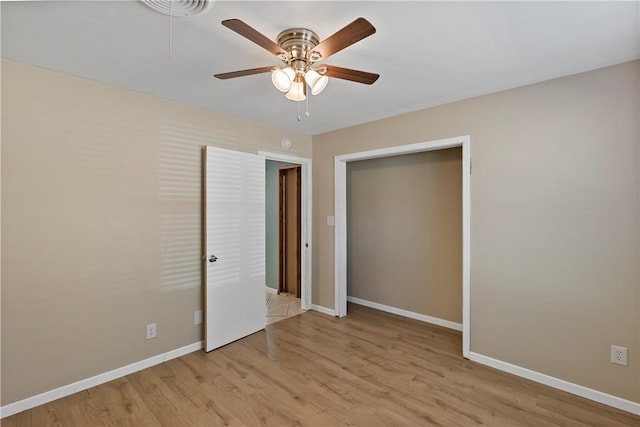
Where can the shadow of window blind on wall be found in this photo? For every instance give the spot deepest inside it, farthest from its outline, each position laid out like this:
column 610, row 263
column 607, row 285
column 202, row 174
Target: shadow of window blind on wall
column 179, row 198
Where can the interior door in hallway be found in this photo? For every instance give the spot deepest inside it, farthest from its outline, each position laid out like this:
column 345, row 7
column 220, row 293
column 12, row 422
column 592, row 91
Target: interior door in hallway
column 290, row 222
column 234, row 196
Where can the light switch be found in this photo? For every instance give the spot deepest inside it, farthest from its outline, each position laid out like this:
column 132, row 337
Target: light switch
column 331, row 220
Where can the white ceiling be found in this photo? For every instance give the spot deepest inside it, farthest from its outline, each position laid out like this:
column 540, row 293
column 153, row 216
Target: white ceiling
column 427, row 53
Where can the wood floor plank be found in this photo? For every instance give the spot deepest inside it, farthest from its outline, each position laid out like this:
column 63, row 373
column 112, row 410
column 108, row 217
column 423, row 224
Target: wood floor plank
column 117, row 403
column 367, row 369
column 166, row 406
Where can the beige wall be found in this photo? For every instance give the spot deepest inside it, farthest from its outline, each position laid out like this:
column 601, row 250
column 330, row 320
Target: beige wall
column 554, row 220
column 404, row 232
column 101, row 223
column 0, row 220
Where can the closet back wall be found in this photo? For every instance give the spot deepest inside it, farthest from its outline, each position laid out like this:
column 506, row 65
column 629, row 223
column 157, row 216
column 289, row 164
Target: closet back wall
column 404, row 222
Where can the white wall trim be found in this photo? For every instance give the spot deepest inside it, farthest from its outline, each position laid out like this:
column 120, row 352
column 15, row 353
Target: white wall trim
column 51, row 395
column 340, row 194
column 323, row 310
column 406, row 313
column 306, row 221
column 588, row 393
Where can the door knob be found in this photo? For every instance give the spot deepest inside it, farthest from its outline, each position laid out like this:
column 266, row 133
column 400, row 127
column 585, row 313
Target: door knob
column 213, row 258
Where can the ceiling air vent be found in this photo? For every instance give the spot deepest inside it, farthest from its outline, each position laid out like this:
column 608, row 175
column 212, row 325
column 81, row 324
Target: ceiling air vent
column 179, row 7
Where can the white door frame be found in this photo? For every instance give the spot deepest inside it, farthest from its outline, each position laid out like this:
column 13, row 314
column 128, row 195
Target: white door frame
column 341, row 220
column 305, row 221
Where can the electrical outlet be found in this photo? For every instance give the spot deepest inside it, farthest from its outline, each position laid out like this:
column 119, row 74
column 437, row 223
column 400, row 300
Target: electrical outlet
column 197, row 317
column 151, row 331
column 619, row 355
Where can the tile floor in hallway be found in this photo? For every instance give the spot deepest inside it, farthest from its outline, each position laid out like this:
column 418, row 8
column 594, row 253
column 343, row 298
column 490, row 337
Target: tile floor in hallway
column 281, row 306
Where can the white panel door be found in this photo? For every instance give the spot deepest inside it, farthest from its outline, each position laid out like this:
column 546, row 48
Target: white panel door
column 234, row 245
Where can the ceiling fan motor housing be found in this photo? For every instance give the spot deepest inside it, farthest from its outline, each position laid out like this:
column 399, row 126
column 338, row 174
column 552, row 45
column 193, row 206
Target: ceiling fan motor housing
column 299, row 44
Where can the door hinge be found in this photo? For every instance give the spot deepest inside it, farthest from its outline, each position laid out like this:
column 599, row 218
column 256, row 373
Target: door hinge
column 470, row 166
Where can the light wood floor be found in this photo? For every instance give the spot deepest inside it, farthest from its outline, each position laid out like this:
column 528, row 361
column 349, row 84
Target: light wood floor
column 368, row 369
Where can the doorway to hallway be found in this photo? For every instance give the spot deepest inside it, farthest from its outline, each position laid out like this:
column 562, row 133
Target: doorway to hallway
column 288, row 236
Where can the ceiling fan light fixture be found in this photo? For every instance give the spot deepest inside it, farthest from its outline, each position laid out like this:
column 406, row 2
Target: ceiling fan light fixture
column 282, row 78
column 297, row 91
column 316, row 82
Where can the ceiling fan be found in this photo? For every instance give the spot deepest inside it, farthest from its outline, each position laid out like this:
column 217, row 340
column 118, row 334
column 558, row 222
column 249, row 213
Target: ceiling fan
column 300, row 50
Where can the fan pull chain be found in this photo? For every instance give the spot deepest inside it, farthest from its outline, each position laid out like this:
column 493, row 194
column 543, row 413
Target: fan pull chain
column 306, row 113
column 170, row 15
column 299, row 118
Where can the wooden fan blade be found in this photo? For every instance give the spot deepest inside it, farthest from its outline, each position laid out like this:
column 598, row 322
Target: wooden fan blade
column 352, row 33
column 250, row 33
column 242, row 73
column 349, row 74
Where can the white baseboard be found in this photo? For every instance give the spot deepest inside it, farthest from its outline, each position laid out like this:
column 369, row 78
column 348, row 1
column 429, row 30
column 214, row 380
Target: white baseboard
column 271, row 290
column 51, row 395
column 588, row 393
column 407, row 313
column 323, row 310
